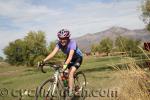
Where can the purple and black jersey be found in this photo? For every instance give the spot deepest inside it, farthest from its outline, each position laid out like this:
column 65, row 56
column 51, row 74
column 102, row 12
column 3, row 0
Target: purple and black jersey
column 72, row 45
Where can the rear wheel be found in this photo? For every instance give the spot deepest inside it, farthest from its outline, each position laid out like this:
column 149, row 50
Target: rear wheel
column 80, row 85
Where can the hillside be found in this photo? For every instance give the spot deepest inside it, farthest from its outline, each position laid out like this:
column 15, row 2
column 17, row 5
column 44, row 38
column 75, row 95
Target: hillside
column 87, row 40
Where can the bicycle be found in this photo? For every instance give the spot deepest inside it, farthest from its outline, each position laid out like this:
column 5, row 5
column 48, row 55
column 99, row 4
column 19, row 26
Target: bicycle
column 54, row 89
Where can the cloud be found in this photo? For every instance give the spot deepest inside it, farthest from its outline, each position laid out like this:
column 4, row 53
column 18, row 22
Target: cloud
column 22, row 11
column 96, row 16
column 18, row 17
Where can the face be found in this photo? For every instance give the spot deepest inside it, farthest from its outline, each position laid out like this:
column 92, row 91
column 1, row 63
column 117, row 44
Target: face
column 63, row 41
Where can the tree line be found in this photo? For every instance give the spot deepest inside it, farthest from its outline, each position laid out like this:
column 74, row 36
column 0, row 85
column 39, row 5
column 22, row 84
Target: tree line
column 121, row 44
column 29, row 50
column 33, row 48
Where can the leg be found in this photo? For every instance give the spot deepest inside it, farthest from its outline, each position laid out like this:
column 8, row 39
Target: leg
column 72, row 69
column 71, row 77
column 62, row 77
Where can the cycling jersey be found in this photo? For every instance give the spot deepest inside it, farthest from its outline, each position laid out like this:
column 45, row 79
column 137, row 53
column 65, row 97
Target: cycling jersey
column 72, row 45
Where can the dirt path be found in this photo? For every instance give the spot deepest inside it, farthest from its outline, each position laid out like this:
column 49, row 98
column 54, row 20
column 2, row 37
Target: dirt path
column 11, row 72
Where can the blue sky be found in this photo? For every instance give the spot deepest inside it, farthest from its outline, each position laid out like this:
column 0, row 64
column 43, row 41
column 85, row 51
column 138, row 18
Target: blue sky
column 17, row 17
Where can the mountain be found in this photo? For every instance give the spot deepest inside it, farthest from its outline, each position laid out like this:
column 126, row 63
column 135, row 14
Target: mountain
column 85, row 41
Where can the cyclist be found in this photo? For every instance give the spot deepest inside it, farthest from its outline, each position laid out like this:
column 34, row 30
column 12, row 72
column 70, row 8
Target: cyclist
column 74, row 55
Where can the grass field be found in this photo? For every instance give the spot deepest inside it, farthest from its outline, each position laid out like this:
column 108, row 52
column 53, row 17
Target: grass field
column 98, row 71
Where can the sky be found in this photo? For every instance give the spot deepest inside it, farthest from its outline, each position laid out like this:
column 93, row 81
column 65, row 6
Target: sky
column 18, row 17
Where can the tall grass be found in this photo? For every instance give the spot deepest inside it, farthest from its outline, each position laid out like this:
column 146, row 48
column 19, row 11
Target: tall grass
column 134, row 81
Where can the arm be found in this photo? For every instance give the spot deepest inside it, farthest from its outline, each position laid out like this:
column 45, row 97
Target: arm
column 51, row 54
column 71, row 53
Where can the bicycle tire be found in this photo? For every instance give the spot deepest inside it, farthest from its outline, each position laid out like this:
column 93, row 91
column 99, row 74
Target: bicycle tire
column 77, row 77
column 48, row 96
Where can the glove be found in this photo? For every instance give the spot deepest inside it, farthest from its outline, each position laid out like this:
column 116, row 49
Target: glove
column 65, row 67
column 41, row 63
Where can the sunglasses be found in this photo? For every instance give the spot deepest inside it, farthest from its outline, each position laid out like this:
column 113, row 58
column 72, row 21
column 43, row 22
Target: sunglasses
column 63, row 38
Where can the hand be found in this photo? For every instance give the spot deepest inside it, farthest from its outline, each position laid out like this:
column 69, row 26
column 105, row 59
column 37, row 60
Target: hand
column 41, row 63
column 64, row 67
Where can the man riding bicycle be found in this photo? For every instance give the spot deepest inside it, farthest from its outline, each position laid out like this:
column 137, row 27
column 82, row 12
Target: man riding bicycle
column 74, row 55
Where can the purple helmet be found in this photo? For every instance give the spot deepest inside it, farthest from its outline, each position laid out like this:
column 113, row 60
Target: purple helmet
column 64, row 33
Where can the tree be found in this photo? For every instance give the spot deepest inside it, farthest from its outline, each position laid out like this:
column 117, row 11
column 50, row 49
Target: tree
column 36, row 46
column 121, row 43
column 51, row 46
column 146, row 13
column 1, row 58
column 106, row 45
column 25, row 51
column 128, row 45
column 15, row 52
column 95, row 48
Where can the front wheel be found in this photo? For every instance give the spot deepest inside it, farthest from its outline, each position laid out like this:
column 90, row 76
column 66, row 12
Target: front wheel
column 48, row 91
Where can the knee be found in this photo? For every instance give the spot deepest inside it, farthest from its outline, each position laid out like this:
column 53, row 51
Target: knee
column 71, row 75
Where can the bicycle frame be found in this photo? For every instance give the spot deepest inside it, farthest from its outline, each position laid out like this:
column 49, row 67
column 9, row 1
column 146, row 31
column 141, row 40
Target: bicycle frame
column 56, row 79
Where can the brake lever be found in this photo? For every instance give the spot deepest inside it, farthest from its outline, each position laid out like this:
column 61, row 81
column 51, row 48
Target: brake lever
column 40, row 67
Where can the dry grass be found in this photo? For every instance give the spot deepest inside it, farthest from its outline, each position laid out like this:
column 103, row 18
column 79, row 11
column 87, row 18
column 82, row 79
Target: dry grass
column 135, row 81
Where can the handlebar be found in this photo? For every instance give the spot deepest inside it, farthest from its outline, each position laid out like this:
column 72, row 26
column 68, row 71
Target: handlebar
column 55, row 66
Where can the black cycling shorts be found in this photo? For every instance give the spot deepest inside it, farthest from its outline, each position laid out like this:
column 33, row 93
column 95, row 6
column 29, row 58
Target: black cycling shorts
column 76, row 62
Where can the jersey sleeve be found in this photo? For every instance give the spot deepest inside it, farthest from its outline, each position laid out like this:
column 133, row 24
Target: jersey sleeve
column 57, row 45
column 73, row 45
